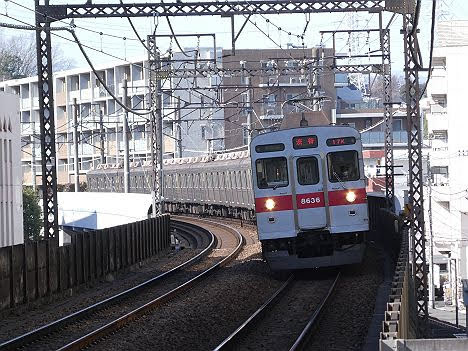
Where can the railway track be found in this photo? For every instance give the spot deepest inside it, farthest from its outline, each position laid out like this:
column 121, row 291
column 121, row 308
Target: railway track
column 267, row 328
column 88, row 325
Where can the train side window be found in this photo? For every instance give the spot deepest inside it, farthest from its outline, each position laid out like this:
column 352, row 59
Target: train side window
column 272, row 172
column 307, row 171
column 343, row 166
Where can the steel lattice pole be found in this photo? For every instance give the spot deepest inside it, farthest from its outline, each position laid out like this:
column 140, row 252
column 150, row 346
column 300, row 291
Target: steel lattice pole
column 154, row 62
column 418, row 239
column 46, row 118
column 388, row 116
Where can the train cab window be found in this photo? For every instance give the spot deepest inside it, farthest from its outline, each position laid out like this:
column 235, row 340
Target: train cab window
column 272, row 172
column 307, row 171
column 343, row 166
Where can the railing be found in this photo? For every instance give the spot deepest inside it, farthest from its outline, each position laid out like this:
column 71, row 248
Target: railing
column 401, row 315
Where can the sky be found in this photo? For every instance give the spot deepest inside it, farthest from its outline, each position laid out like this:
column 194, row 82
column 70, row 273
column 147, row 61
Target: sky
column 115, row 30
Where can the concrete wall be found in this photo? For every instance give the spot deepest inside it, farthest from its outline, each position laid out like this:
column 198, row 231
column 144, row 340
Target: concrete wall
column 11, row 199
column 35, row 269
column 424, row 345
column 101, row 210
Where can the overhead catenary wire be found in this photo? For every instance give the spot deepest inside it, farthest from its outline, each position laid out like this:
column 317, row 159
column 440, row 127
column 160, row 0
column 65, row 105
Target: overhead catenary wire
column 431, row 49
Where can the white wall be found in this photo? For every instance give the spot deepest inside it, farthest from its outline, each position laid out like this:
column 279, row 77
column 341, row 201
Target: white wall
column 101, row 210
column 450, row 200
column 11, row 199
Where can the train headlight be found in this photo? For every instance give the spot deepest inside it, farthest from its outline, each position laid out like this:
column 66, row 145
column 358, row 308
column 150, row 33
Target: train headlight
column 350, row 196
column 270, row 204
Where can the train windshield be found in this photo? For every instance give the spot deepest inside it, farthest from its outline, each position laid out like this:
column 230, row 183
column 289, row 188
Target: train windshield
column 343, row 166
column 272, row 172
column 307, row 171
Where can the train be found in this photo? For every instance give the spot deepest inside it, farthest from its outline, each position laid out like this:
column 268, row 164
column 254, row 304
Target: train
column 304, row 187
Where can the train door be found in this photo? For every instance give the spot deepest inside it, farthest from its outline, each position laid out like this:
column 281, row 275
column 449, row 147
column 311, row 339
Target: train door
column 346, row 191
column 308, row 191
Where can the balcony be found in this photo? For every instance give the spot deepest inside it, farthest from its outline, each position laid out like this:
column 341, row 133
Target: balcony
column 269, row 117
column 378, row 138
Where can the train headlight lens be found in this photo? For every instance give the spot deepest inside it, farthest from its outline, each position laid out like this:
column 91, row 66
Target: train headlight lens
column 350, row 196
column 270, row 204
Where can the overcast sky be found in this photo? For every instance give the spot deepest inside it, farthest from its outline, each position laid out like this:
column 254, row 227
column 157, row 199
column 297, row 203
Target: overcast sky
column 251, row 37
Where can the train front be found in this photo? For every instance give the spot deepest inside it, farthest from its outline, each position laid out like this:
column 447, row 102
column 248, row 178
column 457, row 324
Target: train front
column 310, row 197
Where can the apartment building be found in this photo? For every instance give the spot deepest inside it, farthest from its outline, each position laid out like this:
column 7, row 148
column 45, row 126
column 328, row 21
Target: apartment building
column 97, row 109
column 271, row 95
column 444, row 109
column 11, row 200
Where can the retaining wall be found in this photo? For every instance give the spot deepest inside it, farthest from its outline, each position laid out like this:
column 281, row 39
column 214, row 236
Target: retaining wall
column 36, row 269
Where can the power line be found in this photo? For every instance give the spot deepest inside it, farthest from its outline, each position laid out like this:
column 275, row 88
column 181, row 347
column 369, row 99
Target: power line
column 431, row 50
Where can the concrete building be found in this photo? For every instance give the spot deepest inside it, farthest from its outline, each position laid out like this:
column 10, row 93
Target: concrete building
column 93, row 101
column 11, row 198
column 202, row 127
column 444, row 110
column 271, row 94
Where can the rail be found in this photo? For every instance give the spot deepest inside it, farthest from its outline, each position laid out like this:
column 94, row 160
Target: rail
column 24, row 339
column 304, row 337
column 118, row 323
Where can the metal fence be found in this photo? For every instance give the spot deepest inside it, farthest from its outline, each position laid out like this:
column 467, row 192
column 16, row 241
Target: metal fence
column 32, row 270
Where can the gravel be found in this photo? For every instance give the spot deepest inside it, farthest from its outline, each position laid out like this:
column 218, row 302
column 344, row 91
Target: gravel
column 203, row 317
column 346, row 321
column 279, row 328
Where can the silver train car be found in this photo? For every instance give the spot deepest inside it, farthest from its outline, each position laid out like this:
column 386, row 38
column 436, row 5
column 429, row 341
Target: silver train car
column 219, row 185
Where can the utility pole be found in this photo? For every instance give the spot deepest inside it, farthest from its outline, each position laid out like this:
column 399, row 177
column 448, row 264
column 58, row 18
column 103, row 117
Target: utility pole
column 101, row 124
column 249, row 112
column 125, row 139
column 117, row 141
column 431, row 267
column 178, row 129
column 75, row 145
column 313, row 84
column 33, row 154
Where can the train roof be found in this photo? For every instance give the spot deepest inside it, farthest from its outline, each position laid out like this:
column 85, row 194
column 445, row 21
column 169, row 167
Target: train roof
column 214, row 159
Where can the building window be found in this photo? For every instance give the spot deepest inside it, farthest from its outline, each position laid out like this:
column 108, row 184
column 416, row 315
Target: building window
column 166, row 97
column 292, row 63
column 440, row 135
column 439, row 175
column 245, row 133
column 397, row 125
column 440, row 100
column 269, row 100
column 203, row 132
column 267, row 64
column 444, row 204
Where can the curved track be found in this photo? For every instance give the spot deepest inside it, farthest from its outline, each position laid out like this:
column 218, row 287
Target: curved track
column 246, row 335
column 127, row 305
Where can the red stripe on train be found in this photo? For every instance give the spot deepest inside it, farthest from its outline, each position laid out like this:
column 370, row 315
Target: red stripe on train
column 310, row 200
column 282, row 203
column 338, row 197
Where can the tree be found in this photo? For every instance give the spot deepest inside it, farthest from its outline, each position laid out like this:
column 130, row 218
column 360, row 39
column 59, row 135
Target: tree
column 398, row 88
column 32, row 217
column 18, row 57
